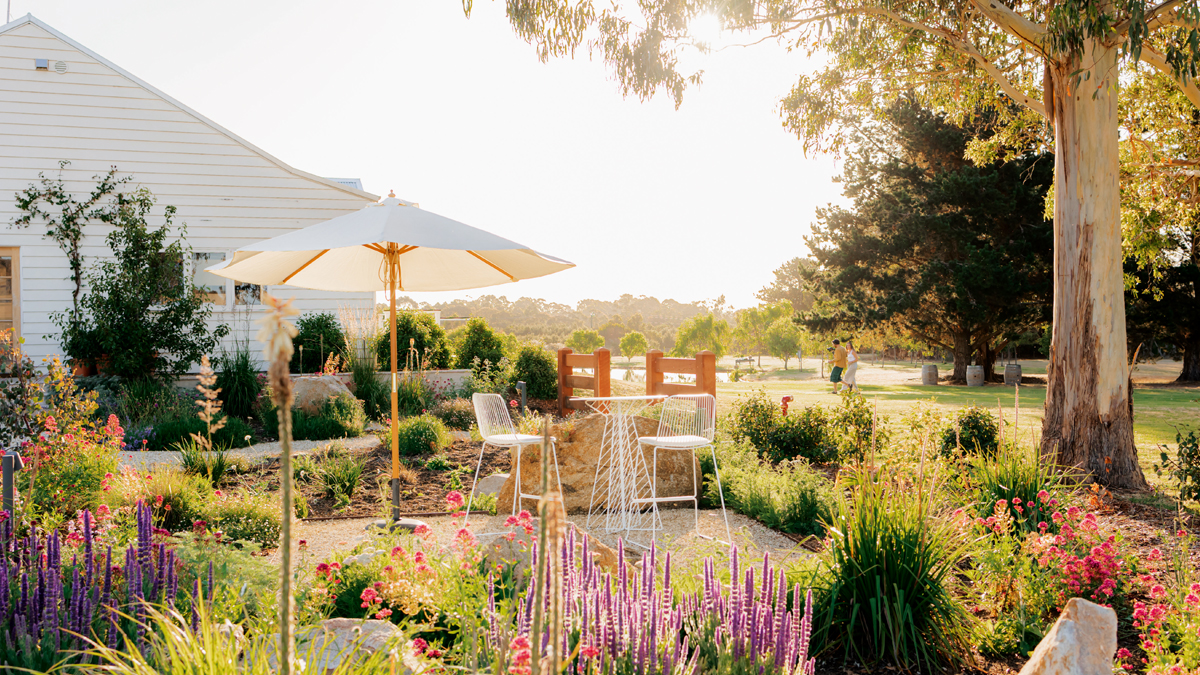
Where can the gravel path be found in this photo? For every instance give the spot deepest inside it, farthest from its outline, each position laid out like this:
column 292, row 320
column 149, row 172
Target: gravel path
column 259, row 451
column 679, row 535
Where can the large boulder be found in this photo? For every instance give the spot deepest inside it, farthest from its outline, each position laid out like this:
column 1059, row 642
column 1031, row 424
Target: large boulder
column 310, row 393
column 333, row 641
column 579, row 449
column 1082, row 642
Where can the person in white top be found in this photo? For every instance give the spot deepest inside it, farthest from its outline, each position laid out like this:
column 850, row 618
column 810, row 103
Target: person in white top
column 849, row 380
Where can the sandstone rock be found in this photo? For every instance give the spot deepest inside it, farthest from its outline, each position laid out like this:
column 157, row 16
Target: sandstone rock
column 325, row 645
column 1082, row 642
column 311, row 392
column 490, row 485
column 579, row 450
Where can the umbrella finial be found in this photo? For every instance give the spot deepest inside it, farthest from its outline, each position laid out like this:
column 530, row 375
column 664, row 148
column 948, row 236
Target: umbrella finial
column 392, row 193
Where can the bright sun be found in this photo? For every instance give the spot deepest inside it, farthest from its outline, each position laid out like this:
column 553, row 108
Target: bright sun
column 705, row 29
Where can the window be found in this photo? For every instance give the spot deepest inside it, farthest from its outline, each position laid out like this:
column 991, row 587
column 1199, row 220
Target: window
column 217, row 289
column 10, row 290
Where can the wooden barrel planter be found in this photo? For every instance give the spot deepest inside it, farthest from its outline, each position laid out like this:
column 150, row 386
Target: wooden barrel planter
column 974, row 376
column 929, row 374
column 1012, row 374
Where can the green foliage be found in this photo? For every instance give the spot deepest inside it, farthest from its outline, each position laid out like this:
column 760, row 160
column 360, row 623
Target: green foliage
column 974, row 432
column 241, row 568
column 855, row 428
column 339, row 476
column 341, row 416
column 489, row 378
column 702, row 332
column 320, row 334
column 1184, row 468
column 304, row 468
column 238, row 380
column 428, row 338
column 438, row 463
column 538, row 369
column 789, row 497
column 807, row 433
column 455, row 413
column 480, row 342
column 369, row 389
column 886, row 596
column 418, row 435
column 958, row 254
column 145, row 313
column 633, row 344
column 1017, row 478
column 21, row 397
column 178, row 430
column 413, row 395
column 585, row 341
column 177, row 498
column 783, row 339
column 750, row 334
column 249, row 517
column 211, row 464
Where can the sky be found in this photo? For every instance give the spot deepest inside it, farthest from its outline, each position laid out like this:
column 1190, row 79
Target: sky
column 460, row 116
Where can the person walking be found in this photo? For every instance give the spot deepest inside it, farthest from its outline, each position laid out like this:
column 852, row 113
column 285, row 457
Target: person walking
column 849, row 378
column 839, row 365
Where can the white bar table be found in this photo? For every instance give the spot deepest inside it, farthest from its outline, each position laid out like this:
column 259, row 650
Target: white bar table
column 621, row 471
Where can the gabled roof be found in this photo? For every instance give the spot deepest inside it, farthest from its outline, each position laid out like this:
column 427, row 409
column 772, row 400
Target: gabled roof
column 31, row 19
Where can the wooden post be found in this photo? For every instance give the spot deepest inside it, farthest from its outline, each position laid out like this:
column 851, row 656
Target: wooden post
column 706, row 372
column 602, row 374
column 564, row 371
column 654, row 377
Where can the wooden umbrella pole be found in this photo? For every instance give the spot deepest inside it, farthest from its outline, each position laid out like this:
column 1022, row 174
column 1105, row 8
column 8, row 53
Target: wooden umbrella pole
column 393, row 276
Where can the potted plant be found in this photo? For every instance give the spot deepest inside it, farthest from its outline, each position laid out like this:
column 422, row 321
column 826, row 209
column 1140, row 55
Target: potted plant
column 82, row 345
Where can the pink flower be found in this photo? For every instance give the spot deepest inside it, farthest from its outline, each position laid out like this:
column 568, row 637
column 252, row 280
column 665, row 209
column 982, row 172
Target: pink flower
column 419, row 557
column 383, row 614
column 512, row 403
column 421, row 530
column 397, row 551
column 1192, row 599
column 589, row 652
column 455, row 499
column 1042, row 495
column 1123, row 653
column 1157, row 591
column 419, row 646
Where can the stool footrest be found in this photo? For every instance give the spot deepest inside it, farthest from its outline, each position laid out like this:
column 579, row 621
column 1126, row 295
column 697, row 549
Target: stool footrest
column 655, row 500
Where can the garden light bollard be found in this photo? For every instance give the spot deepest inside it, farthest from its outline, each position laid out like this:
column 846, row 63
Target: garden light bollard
column 12, row 464
column 521, row 387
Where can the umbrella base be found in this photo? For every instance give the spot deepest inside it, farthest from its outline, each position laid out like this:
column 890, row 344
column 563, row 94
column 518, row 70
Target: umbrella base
column 408, row 524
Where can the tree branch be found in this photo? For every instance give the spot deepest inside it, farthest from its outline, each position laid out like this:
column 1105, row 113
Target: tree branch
column 1158, row 17
column 1014, row 23
column 1158, row 61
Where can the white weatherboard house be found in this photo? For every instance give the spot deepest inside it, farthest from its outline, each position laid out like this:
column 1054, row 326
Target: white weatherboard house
column 61, row 101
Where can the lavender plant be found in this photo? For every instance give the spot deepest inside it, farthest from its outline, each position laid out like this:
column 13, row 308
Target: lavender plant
column 49, row 610
column 630, row 624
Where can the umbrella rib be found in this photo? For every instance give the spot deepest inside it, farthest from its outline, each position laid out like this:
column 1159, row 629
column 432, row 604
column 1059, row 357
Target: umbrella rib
column 375, row 247
column 313, row 260
column 492, row 265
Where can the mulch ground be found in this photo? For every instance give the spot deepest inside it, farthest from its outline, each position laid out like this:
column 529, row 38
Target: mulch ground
column 422, row 490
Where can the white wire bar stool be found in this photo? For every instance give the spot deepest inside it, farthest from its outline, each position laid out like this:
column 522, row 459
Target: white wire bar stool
column 496, row 427
column 687, row 423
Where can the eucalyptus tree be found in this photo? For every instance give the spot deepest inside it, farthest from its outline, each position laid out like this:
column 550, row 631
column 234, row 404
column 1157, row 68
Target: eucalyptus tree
column 1059, row 61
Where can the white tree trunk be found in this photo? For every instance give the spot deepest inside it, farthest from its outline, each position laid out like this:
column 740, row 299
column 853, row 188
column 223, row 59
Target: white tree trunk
column 1089, row 418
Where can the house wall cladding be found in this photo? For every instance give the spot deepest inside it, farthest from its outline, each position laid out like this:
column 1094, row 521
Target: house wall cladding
column 227, row 192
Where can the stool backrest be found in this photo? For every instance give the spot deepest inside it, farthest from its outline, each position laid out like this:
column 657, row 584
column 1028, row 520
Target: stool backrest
column 691, row 415
column 492, row 416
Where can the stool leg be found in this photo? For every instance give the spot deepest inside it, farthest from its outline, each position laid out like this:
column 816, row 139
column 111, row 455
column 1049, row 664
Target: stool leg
column 654, row 518
column 517, row 483
column 721, row 492
column 471, row 497
column 696, row 491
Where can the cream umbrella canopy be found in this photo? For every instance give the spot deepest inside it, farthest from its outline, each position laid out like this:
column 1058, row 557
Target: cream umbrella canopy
column 391, row 246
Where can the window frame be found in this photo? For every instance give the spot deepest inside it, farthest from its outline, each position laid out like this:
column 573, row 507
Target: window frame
column 15, row 253
column 230, row 304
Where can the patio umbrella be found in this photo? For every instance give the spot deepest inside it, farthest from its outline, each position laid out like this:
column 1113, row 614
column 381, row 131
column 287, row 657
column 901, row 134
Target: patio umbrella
column 392, row 246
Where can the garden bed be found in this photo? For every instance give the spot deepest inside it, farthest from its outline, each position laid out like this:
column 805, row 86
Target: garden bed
column 423, row 490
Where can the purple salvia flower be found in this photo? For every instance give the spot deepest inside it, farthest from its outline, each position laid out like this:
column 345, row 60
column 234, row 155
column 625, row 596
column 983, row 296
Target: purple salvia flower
column 208, row 592
column 196, row 608
column 88, row 540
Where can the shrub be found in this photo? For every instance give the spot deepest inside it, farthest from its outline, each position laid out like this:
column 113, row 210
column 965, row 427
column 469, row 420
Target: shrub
column 340, row 417
column 418, row 435
column 478, row 342
column 413, row 395
column 319, row 335
column 150, row 402
column 304, row 468
column 428, row 338
column 21, row 397
column 211, row 464
column 179, row 430
column 807, row 434
column 141, row 304
column 455, row 413
column 855, row 428
column 585, row 341
column 239, row 382
column 538, row 369
column 489, row 378
column 790, row 497
column 1184, row 468
column 1025, row 484
column 339, row 476
column 254, row 518
column 176, row 498
column 754, row 420
column 977, row 433
column 886, row 596
column 369, row 389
